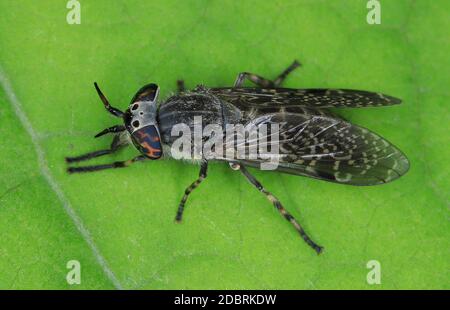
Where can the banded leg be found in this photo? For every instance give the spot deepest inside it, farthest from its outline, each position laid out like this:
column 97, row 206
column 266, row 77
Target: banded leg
column 202, row 175
column 116, row 144
column 263, row 82
column 258, row 80
column 277, row 204
column 283, row 75
column 117, row 164
column 109, row 108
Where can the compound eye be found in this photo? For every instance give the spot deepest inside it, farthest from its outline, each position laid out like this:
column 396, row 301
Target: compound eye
column 136, row 124
column 135, row 107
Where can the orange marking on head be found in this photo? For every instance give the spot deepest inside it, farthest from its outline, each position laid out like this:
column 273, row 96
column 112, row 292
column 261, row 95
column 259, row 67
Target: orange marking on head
column 150, row 150
column 142, row 134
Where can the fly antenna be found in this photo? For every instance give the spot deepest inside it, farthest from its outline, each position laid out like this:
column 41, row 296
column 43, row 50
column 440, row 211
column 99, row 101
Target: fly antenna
column 109, row 108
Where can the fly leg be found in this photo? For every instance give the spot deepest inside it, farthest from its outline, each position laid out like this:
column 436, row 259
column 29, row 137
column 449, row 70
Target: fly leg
column 116, row 144
column 277, row 204
column 263, row 82
column 258, row 80
column 282, row 76
column 180, row 86
column 117, row 164
column 113, row 129
column 202, row 175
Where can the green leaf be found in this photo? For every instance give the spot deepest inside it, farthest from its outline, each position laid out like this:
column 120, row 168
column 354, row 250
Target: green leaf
column 119, row 223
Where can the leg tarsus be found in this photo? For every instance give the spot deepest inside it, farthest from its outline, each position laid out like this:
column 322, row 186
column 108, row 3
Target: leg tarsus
column 117, row 164
column 180, row 86
column 258, row 80
column 202, row 175
column 263, row 82
column 115, row 145
column 277, row 204
column 279, row 80
column 88, row 156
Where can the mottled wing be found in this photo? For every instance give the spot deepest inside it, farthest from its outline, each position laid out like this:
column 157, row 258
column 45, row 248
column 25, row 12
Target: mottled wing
column 330, row 149
column 313, row 97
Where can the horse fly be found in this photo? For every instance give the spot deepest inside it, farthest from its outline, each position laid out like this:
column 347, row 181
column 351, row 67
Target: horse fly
column 312, row 140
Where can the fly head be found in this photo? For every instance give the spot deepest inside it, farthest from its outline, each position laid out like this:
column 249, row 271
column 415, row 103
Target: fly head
column 140, row 121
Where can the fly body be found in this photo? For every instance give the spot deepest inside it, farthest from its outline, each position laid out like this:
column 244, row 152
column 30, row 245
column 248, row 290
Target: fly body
column 310, row 140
